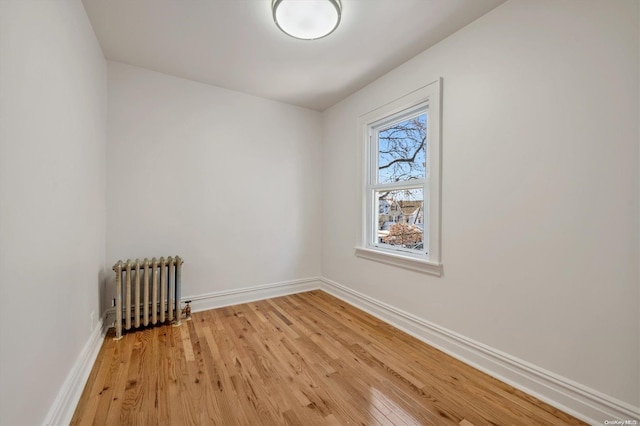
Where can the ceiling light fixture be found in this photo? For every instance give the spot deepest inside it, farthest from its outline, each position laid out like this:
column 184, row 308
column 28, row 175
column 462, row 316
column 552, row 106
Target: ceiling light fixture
column 307, row 19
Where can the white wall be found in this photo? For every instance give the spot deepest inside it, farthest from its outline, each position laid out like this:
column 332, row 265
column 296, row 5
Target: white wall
column 540, row 189
column 52, row 198
column 228, row 181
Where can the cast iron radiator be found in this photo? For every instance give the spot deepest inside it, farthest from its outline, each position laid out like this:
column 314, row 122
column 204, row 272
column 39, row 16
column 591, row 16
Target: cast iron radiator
column 154, row 296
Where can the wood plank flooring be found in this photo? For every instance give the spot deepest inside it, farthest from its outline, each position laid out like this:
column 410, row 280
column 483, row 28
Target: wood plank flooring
column 304, row 359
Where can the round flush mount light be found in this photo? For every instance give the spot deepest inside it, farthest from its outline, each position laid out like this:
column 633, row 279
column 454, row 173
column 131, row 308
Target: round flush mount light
column 307, row 19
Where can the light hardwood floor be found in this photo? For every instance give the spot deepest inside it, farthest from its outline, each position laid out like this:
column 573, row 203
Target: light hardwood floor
column 304, row 359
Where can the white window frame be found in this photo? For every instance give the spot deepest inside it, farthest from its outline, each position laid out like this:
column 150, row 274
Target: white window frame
column 367, row 247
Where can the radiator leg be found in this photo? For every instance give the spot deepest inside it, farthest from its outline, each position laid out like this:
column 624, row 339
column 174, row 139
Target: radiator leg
column 127, row 296
column 118, row 269
column 178, row 289
column 136, row 318
column 145, row 309
column 171, row 280
column 154, row 292
column 163, row 287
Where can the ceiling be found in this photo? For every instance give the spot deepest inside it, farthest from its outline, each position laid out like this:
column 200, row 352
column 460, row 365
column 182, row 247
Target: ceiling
column 236, row 45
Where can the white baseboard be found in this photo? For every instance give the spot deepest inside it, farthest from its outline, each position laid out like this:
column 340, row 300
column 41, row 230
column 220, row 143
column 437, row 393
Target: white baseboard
column 67, row 399
column 219, row 299
column 574, row 398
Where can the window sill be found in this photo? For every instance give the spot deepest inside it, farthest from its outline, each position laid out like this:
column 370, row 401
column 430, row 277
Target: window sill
column 405, row 262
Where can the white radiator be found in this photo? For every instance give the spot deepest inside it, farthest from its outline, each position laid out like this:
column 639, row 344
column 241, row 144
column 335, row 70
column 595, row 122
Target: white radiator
column 154, row 295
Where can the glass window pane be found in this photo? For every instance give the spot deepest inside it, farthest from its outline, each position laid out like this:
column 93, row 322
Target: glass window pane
column 402, row 152
column 400, row 218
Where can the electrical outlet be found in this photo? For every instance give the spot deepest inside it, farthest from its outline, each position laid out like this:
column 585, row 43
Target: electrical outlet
column 92, row 317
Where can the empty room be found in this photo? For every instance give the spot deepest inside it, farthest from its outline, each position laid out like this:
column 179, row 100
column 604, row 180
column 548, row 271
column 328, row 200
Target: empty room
column 319, row 212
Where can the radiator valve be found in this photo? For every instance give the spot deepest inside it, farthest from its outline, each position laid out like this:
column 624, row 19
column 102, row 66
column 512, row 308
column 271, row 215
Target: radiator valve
column 187, row 310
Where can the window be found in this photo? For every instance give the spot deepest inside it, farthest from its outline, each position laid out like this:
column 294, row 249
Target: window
column 401, row 182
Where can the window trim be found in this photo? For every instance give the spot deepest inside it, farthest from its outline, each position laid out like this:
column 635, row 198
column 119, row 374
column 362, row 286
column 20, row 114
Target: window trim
column 430, row 95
